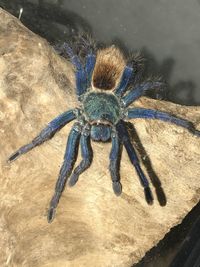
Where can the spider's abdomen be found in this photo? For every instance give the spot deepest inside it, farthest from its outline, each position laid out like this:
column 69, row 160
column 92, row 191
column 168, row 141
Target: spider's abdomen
column 101, row 108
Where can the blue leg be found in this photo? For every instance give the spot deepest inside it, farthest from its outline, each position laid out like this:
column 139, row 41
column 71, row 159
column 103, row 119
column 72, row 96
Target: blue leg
column 89, row 67
column 138, row 91
column 66, row 169
column 81, row 78
column 47, row 133
column 74, row 58
column 114, row 164
column 86, row 152
column 124, row 136
column 155, row 114
column 120, row 90
column 81, row 82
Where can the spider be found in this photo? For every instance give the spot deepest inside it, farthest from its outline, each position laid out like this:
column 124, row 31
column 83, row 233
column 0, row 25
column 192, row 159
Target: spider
column 101, row 87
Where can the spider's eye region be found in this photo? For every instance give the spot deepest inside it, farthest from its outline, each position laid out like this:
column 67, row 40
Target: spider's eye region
column 101, row 108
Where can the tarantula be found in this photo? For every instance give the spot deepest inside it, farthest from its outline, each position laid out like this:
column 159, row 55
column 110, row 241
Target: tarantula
column 101, row 85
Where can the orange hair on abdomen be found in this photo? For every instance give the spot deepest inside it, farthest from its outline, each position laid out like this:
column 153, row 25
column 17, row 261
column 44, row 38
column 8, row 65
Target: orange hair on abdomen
column 110, row 63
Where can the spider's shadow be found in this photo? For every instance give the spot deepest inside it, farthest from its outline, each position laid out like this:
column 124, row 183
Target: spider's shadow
column 169, row 93
column 147, row 163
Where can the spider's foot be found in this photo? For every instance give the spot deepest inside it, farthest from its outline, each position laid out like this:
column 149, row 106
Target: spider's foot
column 14, row 156
column 148, row 195
column 53, row 205
column 117, row 188
column 51, row 214
column 73, row 180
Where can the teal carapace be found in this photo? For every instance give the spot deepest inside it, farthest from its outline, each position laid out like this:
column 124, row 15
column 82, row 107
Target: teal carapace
column 101, row 108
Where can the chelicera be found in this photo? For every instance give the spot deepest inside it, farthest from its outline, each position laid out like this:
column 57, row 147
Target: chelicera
column 101, row 87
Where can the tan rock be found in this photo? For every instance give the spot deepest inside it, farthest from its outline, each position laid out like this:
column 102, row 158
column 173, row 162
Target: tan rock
column 92, row 227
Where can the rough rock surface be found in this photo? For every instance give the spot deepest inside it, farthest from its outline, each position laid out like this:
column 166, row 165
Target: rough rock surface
column 92, row 227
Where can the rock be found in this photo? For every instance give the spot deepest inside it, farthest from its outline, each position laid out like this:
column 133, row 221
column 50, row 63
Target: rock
column 92, row 227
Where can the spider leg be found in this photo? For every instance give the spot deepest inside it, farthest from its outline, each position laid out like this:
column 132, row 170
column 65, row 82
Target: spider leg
column 86, row 152
column 155, row 114
column 114, row 164
column 74, row 58
column 81, row 77
column 89, row 67
column 66, row 169
column 46, row 134
column 138, row 91
column 128, row 71
column 124, row 136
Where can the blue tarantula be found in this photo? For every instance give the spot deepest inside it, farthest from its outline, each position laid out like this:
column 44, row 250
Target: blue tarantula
column 101, row 85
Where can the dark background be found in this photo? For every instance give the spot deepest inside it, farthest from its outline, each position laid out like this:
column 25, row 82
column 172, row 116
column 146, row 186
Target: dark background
column 168, row 35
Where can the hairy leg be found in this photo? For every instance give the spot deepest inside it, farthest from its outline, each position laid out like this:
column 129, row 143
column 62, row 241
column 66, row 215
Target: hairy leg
column 132, row 72
column 120, row 90
column 66, row 169
column 81, row 77
column 124, row 136
column 155, row 114
column 89, row 67
column 46, row 134
column 86, row 152
column 138, row 91
column 114, row 164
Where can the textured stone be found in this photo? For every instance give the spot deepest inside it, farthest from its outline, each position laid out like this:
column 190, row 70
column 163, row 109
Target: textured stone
column 92, row 227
